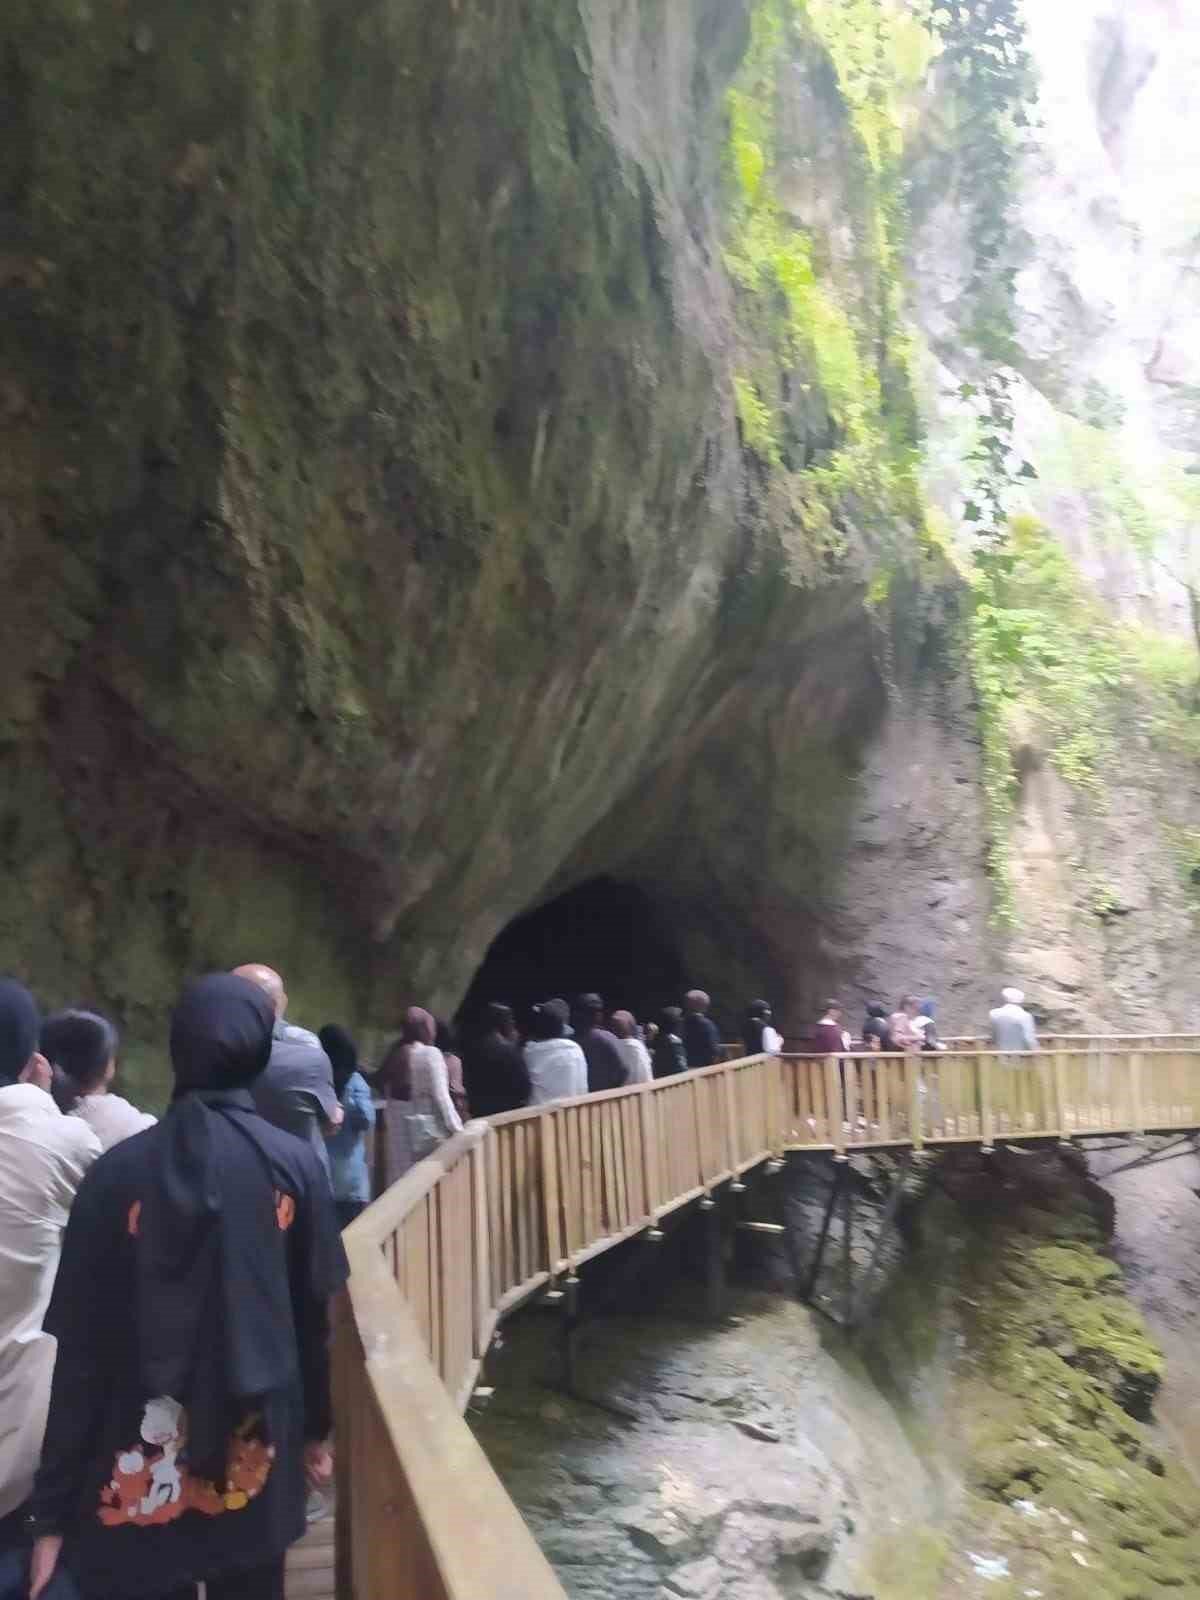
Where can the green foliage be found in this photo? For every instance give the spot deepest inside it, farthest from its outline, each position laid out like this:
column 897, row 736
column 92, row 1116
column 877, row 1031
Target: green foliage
column 1186, row 842
column 880, row 53
column 823, row 396
column 987, row 64
column 1041, row 642
column 757, row 424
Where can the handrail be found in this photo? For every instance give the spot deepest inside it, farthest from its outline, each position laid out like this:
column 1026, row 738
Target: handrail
column 507, row 1206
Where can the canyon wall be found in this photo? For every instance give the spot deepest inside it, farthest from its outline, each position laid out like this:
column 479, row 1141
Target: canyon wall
column 453, row 452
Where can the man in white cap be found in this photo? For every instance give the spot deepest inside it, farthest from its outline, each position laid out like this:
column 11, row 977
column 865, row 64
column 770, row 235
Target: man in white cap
column 1013, row 1026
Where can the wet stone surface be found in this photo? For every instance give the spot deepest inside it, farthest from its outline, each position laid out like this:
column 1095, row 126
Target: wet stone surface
column 742, row 1462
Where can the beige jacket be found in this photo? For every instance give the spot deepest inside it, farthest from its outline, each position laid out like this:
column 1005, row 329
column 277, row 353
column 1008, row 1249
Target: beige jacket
column 43, row 1158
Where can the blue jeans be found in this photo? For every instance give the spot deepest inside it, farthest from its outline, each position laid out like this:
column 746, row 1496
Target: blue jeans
column 14, row 1578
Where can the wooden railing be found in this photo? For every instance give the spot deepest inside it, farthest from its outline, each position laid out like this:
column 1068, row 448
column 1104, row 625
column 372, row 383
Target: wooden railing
column 1089, row 1041
column 505, row 1207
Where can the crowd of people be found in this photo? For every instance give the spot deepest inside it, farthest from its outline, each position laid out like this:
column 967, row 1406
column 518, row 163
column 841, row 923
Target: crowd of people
column 164, row 1372
column 164, row 1325
column 165, row 1404
column 912, row 1026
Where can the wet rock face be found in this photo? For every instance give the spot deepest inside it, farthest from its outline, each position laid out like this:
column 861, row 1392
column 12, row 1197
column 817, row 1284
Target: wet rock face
column 740, row 1462
column 372, row 493
column 739, row 1522
column 379, row 552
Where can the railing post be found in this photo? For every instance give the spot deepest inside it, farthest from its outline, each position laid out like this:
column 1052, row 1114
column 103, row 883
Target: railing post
column 1060, row 1095
column 731, row 1138
column 548, row 1135
column 833, row 1102
column 987, row 1115
column 912, row 1079
column 481, row 1239
column 850, row 1082
column 1135, row 1092
column 646, row 1117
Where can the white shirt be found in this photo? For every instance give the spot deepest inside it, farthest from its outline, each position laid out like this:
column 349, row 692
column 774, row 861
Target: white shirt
column 430, row 1087
column 557, row 1070
column 637, row 1060
column 43, row 1158
column 111, row 1118
column 1013, row 1028
column 772, row 1042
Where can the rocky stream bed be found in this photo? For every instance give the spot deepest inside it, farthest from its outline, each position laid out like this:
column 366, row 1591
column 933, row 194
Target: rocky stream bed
column 989, row 1432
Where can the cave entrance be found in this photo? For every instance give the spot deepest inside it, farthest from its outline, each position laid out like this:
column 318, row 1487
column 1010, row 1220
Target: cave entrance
column 605, row 934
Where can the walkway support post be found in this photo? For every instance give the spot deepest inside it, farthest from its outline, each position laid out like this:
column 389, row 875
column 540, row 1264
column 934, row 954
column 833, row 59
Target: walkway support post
column 847, row 1241
column 570, row 1326
column 1136, row 1114
column 841, row 1166
column 886, row 1222
column 714, row 1259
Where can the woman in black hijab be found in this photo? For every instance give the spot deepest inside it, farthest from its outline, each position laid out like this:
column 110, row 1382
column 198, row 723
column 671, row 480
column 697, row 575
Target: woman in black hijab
column 191, row 1391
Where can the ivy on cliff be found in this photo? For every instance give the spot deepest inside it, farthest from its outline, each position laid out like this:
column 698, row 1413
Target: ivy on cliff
column 985, row 65
column 823, row 396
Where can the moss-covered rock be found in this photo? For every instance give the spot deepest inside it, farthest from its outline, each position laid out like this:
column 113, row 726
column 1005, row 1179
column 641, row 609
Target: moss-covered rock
column 1065, row 1480
column 373, row 500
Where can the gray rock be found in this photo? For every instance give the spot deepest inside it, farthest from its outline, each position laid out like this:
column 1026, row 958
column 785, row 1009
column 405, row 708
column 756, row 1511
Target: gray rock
column 699, row 1580
column 759, row 1430
column 660, row 1533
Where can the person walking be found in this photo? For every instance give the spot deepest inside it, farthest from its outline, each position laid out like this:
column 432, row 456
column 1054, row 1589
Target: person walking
column 556, row 1065
column 296, row 1091
column 433, row 1116
column 759, row 1036
column 670, row 1052
column 1013, row 1027
column 81, row 1048
column 877, row 1033
column 494, row 1070
column 925, row 1025
column 633, row 1052
column 700, row 1037
column 191, row 1393
column 349, row 1158
column 44, row 1157
column 830, row 1036
column 605, row 1064
column 900, row 1025
column 446, row 1040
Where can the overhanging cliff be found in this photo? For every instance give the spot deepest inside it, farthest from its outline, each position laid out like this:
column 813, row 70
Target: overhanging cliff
column 455, row 453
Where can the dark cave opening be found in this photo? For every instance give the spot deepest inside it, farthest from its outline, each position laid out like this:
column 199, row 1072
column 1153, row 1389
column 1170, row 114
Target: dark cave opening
column 604, row 935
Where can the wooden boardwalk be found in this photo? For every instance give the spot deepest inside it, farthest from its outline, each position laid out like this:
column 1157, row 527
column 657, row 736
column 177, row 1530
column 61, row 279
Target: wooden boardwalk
column 310, row 1564
column 509, row 1209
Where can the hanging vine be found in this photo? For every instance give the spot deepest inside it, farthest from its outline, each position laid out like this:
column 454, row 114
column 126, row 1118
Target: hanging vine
column 986, row 66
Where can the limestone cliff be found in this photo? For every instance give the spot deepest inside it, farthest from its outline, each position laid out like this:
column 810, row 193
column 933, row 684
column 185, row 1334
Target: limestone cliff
column 374, row 508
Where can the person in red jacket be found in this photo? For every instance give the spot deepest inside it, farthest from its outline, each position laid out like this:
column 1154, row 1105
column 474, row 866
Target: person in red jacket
column 830, row 1038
